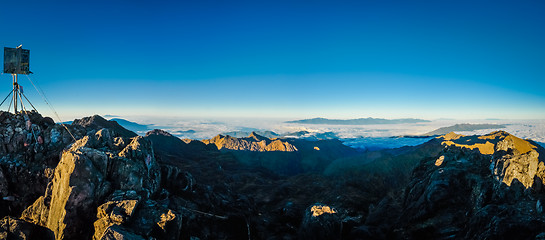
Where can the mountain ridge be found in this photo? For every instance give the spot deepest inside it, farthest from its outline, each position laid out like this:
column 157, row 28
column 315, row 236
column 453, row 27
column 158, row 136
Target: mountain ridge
column 254, row 142
column 463, row 127
column 481, row 187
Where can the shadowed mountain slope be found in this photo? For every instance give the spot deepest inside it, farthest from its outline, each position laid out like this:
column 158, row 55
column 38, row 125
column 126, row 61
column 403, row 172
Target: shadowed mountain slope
column 284, row 156
column 476, row 187
column 167, row 146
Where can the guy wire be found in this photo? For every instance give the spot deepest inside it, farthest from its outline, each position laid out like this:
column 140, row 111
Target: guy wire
column 51, row 107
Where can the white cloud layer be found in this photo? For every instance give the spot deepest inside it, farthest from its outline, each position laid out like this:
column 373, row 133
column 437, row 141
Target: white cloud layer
column 357, row 136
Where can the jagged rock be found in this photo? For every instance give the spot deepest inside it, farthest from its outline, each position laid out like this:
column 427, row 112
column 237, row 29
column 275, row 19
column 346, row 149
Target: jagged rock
column 165, row 224
column 136, row 168
column 113, row 213
column 16, row 229
column 29, row 145
column 127, row 215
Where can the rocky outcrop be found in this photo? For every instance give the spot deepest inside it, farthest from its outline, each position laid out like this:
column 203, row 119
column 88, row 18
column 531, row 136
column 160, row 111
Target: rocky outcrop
column 89, row 170
column 29, row 150
column 512, row 157
column 129, row 216
column 254, row 142
column 478, row 187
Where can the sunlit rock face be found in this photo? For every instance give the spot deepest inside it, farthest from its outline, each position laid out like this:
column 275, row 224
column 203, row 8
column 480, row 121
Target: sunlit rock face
column 90, row 170
column 478, row 187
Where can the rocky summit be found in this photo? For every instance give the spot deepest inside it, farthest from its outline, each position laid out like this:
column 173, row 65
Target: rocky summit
column 93, row 179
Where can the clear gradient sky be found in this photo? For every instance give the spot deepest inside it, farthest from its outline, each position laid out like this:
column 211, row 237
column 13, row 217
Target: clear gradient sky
column 289, row 59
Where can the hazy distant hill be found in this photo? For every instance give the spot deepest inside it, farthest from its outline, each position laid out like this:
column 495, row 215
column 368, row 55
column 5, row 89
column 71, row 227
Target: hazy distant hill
column 135, row 127
column 463, row 127
column 358, row 121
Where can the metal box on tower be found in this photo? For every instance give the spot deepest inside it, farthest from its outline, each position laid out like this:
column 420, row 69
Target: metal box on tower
column 16, row 60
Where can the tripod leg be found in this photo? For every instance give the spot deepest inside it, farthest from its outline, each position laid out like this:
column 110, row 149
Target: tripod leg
column 29, row 102
column 6, row 98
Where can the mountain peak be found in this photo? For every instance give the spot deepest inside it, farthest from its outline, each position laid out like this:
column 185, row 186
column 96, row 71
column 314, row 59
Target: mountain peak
column 451, row 136
column 489, row 143
column 257, row 137
column 158, row 132
column 97, row 122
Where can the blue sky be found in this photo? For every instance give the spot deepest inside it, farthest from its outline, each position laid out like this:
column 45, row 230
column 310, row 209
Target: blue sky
column 287, row 59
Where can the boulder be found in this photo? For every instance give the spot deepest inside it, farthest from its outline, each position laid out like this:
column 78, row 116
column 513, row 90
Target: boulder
column 321, row 222
column 113, row 213
column 156, row 220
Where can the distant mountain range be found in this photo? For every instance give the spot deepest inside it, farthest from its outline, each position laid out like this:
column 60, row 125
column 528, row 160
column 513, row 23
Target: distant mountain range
column 463, row 127
column 358, row 121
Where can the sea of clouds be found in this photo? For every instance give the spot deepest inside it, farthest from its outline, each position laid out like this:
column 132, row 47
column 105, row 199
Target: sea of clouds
column 358, row 136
